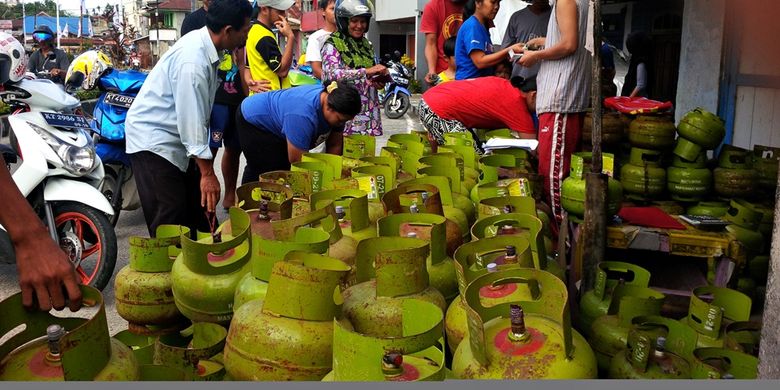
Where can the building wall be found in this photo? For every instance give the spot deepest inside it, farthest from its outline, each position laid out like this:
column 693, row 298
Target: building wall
column 395, row 9
column 700, row 61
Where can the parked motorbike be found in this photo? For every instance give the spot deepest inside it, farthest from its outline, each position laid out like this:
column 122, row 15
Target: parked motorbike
column 60, row 174
column 396, row 95
column 119, row 90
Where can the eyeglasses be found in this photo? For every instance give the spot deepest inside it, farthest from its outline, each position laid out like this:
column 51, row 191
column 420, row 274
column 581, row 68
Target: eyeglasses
column 42, row 36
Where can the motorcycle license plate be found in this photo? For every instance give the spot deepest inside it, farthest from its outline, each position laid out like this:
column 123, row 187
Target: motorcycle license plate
column 65, row 120
column 118, row 100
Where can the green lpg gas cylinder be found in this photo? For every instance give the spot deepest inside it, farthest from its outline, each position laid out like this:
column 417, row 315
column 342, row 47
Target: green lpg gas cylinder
column 266, row 252
column 389, row 271
column 652, row 132
column 530, row 339
column 143, row 289
column 514, row 204
column 609, row 333
column 341, row 247
column 612, row 128
column 431, row 228
column 451, row 163
column 767, row 223
column 720, row 363
column 406, row 162
column 735, row 176
column 448, row 175
column 429, row 195
column 351, row 210
column 595, row 303
column 574, row 187
column 657, row 348
column 299, row 182
column 699, row 130
column 416, row 353
column 195, row 351
column 206, row 274
column 643, row 178
column 514, row 224
column 709, row 209
column 476, row 259
column 359, row 146
column 711, row 309
column 288, row 336
column 50, row 348
column 264, row 202
column 766, row 160
column 743, row 336
column 689, row 181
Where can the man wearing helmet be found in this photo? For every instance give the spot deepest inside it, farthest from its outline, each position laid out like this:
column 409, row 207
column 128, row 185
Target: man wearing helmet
column 48, row 58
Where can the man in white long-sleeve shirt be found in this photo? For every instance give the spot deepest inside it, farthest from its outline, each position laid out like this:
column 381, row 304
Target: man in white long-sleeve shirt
column 167, row 128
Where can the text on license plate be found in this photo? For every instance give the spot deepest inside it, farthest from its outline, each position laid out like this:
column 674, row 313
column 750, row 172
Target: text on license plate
column 119, row 100
column 65, row 120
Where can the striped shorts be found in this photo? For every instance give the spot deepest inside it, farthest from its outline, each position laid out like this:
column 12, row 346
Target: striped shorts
column 438, row 126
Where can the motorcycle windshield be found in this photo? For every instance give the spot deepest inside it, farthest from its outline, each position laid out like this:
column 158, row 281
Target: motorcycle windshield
column 123, row 81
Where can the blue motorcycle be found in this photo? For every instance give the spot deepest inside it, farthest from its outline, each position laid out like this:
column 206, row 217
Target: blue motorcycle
column 396, row 95
column 120, row 88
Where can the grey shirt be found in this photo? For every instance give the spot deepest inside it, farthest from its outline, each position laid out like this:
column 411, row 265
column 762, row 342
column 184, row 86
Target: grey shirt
column 38, row 63
column 521, row 25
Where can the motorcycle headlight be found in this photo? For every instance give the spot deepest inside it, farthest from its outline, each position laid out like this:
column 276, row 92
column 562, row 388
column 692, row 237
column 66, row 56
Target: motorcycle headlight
column 78, row 161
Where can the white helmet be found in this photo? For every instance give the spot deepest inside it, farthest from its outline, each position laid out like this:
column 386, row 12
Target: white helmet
column 13, row 59
column 87, row 68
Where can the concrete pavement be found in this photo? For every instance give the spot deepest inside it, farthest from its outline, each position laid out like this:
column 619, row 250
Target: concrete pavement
column 131, row 223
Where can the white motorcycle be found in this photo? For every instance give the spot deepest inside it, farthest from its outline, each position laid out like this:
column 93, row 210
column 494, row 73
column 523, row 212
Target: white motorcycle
column 60, row 174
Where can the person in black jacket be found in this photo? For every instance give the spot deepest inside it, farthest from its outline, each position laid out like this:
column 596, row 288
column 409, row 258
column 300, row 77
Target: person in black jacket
column 637, row 81
column 47, row 57
column 195, row 20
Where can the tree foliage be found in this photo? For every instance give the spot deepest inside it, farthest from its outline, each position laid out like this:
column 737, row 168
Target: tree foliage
column 15, row 11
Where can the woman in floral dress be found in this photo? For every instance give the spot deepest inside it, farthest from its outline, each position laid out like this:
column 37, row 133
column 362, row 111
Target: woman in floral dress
column 348, row 56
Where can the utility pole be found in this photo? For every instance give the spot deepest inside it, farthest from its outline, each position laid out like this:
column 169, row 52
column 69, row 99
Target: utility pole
column 24, row 26
column 57, row 3
column 594, row 232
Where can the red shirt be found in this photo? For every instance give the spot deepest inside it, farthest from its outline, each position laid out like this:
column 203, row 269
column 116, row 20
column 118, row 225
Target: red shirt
column 443, row 18
column 483, row 103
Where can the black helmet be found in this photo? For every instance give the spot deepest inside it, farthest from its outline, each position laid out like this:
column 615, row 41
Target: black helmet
column 43, row 33
column 346, row 9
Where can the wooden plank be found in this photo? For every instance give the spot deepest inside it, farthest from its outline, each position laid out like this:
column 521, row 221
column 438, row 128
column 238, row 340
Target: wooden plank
column 743, row 117
column 763, row 108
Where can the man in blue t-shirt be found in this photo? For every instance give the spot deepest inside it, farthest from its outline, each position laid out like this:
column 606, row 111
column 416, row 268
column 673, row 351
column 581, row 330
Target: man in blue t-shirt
column 474, row 56
column 275, row 133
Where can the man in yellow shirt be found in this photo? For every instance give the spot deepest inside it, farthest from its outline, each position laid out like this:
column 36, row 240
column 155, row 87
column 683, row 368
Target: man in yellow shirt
column 265, row 60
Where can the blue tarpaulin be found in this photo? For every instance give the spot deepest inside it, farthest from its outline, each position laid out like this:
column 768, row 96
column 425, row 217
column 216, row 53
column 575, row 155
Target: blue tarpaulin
column 31, row 22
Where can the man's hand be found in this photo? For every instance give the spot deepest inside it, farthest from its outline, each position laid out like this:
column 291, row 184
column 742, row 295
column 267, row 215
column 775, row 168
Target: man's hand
column 209, row 191
column 258, row 86
column 284, row 28
column 529, row 59
column 430, row 78
column 55, row 72
column 44, row 270
column 535, row 43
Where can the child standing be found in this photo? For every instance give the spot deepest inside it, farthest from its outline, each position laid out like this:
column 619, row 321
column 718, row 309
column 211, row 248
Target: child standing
column 449, row 53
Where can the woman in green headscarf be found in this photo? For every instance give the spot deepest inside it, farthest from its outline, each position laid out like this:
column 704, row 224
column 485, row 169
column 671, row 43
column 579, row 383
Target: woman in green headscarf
column 348, row 56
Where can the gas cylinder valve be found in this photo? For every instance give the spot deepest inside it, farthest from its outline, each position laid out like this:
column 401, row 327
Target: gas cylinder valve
column 53, row 334
column 518, row 332
column 340, row 213
column 507, row 209
column 263, row 212
column 392, row 364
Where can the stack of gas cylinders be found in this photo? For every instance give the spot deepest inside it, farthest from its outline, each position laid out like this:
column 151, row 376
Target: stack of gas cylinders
column 403, row 266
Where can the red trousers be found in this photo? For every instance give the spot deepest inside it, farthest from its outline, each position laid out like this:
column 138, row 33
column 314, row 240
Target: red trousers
column 559, row 137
